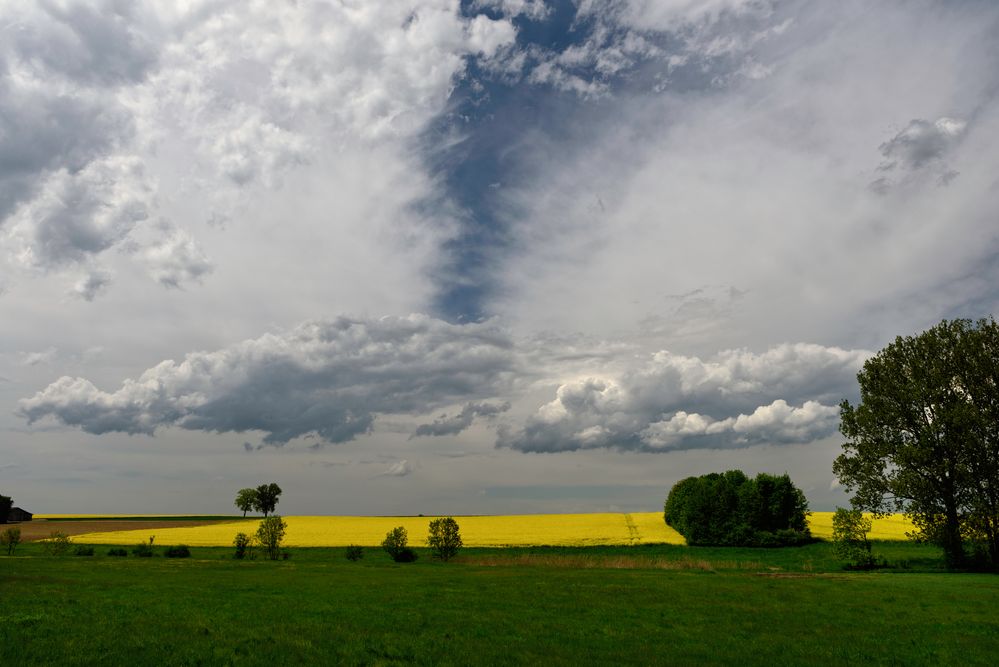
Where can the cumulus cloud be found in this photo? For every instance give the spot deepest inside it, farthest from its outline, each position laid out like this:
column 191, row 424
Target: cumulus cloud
column 327, row 379
column 741, row 398
column 455, row 424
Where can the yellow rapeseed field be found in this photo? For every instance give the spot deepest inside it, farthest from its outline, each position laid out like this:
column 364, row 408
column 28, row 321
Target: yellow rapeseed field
column 892, row 527
column 479, row 531
column 484, row 531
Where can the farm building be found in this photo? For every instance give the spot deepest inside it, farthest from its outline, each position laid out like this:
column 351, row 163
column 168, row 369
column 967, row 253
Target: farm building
column 18, row 514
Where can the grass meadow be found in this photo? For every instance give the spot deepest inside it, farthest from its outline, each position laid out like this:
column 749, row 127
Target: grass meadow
column 625, row 604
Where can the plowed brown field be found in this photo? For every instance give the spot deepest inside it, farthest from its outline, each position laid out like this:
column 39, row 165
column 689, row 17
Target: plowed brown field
column 42, row 528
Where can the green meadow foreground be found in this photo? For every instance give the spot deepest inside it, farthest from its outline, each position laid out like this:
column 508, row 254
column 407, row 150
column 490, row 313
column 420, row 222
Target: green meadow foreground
column 664, row 604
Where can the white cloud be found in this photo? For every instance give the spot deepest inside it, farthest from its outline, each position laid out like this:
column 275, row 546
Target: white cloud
column 176, row 259
column 681, row 402
column 91, row 284
column 328, row 379
column 400, row 468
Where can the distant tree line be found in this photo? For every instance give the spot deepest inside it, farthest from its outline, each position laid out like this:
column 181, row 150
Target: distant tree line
column 6, row 503
column 730, row 509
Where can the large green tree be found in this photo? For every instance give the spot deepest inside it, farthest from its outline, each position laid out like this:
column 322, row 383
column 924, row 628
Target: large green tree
column 267, row 497
column 924, row 439
column 246, row 500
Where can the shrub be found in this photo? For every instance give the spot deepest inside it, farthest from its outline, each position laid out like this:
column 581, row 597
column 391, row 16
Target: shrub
column 270, row 533
column 244, row 546
column 355, row 553
column 850, row 529
column 57, row 544
column 118, row 552
column 395, row 544
column 444, row 538
column 81, row 550
column 730, row 509
column 10, row 539
column 179, row 551
column 144, row 549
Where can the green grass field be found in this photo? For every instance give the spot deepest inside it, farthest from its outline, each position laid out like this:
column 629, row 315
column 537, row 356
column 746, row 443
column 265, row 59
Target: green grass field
column 612, row 605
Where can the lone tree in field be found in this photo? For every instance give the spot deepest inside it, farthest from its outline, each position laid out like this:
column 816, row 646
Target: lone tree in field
column 267, row 497
column 444, row 539
column 395, row 544
column 6, row 502
column 270, row 533
column 924, row 438
column 246, row 500
column 10, row 539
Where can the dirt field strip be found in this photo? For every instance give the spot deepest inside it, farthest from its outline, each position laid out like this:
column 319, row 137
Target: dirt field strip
column 41, row 528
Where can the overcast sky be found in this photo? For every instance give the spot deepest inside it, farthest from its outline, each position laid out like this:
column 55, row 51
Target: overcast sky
column 495, row 256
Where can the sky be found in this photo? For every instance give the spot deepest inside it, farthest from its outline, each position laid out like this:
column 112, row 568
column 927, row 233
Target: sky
column 488, row 256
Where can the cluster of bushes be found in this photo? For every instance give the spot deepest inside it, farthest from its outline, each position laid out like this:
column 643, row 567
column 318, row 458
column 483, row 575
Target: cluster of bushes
column 730, row 509
column 444, row 540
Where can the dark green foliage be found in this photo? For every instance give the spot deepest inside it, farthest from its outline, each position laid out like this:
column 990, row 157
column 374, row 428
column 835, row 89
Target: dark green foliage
column 355, row 553
column 179, row 551
column 57, row 544
column 850, row 529
column 270, row 533
column 6, row 502
column 444, row 539
column 267, row 498
column 246, row 500
column 924, row 438
column 729, row 509
column 82, row 550
column 405, row 555
column 144, row 549
column 10, row 538
column 244, row 546
column 395, row 544
column 118, row 552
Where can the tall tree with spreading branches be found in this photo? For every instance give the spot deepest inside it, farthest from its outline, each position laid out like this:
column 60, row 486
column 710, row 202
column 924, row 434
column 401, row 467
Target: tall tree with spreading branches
column 924, row 439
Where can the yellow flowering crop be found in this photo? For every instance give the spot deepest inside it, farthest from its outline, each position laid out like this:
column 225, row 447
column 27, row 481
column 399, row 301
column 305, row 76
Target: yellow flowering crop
column 477, row 531
column 893, row 527
column 492, row 531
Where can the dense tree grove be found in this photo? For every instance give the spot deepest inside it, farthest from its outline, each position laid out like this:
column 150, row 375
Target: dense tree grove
column 730, row 509
column 924, row 438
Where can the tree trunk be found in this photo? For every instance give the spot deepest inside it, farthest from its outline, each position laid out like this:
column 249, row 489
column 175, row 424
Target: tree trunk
column 952, row 546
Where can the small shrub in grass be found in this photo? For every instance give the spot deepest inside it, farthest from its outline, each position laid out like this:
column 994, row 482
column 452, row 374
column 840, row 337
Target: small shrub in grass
column 244, row 546
column 82, row 550
column 144, row 549
column 10, row 539
column 57, row 544
column 270, row 533
column 444, row 538
column 405, row 555
column 118, row 552
column 395, row 544
column 179, row 551
column 355, row 553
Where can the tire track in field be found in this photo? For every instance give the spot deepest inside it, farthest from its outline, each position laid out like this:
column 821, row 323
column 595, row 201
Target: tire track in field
column 633, row 536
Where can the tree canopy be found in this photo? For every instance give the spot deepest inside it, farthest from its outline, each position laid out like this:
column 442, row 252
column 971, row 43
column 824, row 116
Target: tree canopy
column 6, row 503
column 924, row 438
column 246, row 500
column 731, row 509
column 267, row 497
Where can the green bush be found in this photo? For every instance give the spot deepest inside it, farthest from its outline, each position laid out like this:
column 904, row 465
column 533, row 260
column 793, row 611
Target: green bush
column 270, row 533
column 81, row 550
column 730, row 509
column 444, row 539
column 244, row 546
column 118, row 552
column 179, row 551
column 144, row 549
column 57, row 544
column 395, row 544
column 10, row 539
column 355, row 553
